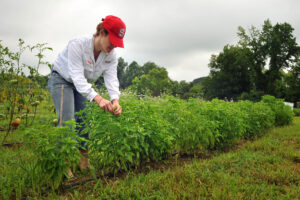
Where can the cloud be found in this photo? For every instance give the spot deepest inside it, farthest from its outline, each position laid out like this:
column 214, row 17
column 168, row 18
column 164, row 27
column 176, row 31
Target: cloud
column 190, row 66
column 178, row 35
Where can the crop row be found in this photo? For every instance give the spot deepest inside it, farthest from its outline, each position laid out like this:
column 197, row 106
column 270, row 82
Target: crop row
column 154, row 129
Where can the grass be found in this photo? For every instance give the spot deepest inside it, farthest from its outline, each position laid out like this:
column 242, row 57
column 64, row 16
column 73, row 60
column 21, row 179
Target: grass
column 16, row 166
column 267, row 168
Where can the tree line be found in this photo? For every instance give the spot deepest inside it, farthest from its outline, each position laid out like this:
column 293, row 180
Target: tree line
column 265, row 61
column 151, row 79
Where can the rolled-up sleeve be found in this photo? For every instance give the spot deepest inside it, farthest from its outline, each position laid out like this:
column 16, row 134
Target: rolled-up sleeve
column 111, row 80
column 76, row 71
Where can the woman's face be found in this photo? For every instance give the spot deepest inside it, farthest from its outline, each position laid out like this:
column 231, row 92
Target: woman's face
column 105, row 44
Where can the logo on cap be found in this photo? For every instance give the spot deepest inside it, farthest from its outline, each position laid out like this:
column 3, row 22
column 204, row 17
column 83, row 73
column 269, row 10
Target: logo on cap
column 122, row 32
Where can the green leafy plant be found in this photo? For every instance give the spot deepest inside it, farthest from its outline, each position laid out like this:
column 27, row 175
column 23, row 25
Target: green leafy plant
column 257, row 117
column 19, row 92
column 296, row 111
column 122, row 142
column 151, row 129
column 192, row 131
column 55, row 150
column 283, row 113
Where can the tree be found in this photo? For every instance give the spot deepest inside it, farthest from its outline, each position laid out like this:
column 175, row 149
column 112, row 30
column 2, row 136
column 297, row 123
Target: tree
column 196, row 91
column 132, row 71
column 275, row 44
column 180, row 89
column 156, row 82
column 292, row 80
column 149, row 66
column 229, row 74
column 255, row 65
column 121, row 71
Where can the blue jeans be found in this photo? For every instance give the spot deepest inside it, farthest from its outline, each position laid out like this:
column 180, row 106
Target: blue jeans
column 73, row 101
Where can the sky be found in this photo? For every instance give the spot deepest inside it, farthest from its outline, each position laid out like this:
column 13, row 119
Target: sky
column 180, row 35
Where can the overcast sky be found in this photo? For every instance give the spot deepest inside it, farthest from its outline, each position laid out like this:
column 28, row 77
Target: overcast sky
column 179, row 35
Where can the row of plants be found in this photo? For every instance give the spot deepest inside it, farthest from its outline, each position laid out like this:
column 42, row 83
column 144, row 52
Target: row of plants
column 154, row 129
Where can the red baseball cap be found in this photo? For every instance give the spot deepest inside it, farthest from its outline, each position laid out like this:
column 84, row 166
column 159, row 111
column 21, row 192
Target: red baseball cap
column 116, row 30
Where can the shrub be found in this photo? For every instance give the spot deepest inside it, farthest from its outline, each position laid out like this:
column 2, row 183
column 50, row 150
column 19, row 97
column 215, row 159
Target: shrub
column 192, row 131
column 150, row 129
column 55, row 151
column 283, row 113
column 228, row 118
column 296, row 111
column 121, row 142
column 257, row 117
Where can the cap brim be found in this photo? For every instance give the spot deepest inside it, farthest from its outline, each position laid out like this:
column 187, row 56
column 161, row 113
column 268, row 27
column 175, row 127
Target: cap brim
column 116, row 41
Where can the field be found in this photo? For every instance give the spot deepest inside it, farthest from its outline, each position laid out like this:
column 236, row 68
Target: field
column 160, row 148
column 267, row 168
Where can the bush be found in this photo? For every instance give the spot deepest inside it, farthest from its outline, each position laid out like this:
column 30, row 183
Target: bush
column 151, row 129
column 283, row 113
column 257, row 117
column 121, row 142
column 55, row 151
column 228, row 119
column 192, row 131
column 296, row 111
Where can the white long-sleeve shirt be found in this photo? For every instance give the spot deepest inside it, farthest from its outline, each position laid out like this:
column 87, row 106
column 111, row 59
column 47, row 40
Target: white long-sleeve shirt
column 76, row 64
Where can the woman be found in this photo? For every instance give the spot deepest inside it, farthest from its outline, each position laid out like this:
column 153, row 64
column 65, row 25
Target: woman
column 82, row 61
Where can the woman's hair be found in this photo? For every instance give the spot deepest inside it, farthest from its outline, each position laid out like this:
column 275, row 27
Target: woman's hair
column 99, row 28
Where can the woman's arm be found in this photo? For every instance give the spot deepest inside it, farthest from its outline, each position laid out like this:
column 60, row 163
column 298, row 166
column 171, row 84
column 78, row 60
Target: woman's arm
column 112, row 84
column 111, row 80
column 76, row 71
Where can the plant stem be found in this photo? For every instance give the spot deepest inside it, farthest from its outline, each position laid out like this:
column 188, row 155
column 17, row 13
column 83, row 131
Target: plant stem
column 9, row 125
column 35, row 107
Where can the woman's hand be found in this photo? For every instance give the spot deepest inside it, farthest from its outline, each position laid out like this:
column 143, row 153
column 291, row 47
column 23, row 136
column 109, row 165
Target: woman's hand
column 104, row 104
column 116, row 107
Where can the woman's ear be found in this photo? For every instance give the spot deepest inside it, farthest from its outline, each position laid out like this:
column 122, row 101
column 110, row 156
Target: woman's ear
column 102, row 33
